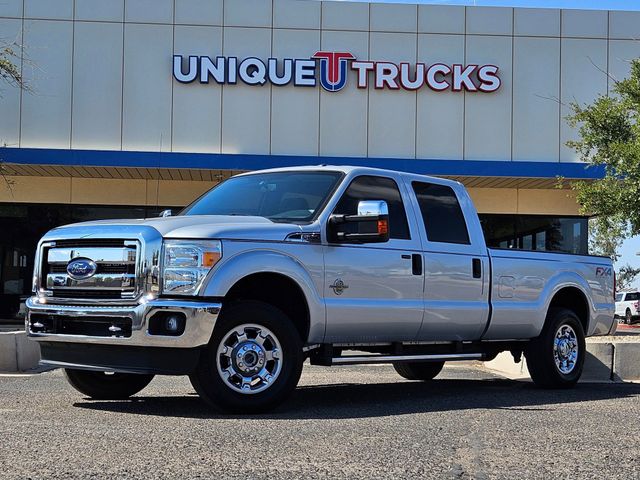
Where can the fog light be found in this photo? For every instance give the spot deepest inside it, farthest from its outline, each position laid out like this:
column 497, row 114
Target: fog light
column 172, row 323
column 167, row 323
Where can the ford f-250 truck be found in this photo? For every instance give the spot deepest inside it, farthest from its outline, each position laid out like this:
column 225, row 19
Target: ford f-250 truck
column 341, row 265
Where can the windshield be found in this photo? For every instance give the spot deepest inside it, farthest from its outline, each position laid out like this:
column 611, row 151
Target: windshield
column 280, row 196
column 618, row 297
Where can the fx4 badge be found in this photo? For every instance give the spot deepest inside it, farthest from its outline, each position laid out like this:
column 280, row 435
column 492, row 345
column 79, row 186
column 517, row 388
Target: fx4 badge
column 339, row 286
column 603, row 271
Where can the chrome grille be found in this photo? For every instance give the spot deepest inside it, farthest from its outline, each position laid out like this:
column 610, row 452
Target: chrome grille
column 115, row 274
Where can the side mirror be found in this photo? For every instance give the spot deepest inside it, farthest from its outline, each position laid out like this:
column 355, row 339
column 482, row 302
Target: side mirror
column 165, row 213
column 370, row 225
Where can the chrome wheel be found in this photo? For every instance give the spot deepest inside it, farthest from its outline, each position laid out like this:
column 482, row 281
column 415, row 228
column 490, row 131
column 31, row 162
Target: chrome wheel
column 565, row 349
column 249, row 358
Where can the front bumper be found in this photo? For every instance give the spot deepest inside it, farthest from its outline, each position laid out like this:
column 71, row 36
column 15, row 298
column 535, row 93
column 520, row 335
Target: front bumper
column 200, row 317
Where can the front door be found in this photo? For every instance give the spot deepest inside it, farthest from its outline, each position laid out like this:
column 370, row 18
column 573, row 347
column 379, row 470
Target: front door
column 373, row 291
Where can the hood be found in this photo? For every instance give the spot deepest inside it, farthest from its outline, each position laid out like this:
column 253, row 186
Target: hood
column 197, row 226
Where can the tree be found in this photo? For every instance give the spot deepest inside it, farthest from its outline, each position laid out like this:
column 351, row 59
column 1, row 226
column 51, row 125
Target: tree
column 10, row 74
column 625, row 276
column 606, row 235
column 609, row 136
column 609, row 130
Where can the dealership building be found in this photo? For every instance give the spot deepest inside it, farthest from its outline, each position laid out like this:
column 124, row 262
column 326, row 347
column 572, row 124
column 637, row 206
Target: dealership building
column 135, row 106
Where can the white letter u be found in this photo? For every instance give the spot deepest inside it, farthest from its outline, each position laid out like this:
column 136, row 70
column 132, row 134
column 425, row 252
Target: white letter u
column 191, row 75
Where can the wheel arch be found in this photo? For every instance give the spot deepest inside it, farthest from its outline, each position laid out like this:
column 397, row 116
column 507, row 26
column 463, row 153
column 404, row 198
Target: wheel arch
column 277, row 290
column 572, row 298
column 277, row 279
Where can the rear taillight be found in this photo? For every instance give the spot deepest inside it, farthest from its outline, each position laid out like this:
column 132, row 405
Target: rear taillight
column 635, row 305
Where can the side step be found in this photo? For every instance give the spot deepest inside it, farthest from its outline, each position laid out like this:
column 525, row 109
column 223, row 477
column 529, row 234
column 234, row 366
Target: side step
column 364, row 359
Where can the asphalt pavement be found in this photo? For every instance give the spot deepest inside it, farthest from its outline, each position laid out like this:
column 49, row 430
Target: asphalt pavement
column 343, row 422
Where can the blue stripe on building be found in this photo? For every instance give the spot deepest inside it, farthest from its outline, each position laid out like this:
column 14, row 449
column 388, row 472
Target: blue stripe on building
column 472, row 168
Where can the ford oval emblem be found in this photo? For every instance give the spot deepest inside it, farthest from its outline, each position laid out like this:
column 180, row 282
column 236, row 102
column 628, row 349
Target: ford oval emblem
column 81, row 268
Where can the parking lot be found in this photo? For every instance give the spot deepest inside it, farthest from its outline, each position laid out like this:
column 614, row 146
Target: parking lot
column 346, row 422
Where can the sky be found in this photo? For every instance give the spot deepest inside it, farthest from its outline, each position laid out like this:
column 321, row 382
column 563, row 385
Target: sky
column 584, row 4
column 629, row 251
column 631, row 247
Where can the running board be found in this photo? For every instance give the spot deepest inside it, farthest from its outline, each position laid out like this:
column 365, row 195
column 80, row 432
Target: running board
column 364, row 359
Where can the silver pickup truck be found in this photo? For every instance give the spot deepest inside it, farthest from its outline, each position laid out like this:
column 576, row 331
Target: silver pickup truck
column 340, row 265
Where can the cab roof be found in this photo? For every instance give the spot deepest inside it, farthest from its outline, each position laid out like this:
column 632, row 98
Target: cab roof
column 353, row 171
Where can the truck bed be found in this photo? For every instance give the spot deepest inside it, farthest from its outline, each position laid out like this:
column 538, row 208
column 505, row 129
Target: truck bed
column 522, row 282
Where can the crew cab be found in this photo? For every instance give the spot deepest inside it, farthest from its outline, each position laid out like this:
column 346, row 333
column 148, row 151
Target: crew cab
column 338, row 265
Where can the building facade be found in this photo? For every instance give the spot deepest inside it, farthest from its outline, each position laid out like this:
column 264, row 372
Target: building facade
column 139, row 105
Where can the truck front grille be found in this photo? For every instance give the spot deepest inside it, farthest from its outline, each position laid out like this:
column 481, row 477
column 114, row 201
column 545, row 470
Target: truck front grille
column 111, row 273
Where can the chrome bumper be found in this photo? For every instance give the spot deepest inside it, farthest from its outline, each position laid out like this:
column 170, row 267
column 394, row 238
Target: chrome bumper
column 201, row 318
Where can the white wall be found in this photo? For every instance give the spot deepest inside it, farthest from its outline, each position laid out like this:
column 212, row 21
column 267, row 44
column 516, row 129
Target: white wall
column 101, row 77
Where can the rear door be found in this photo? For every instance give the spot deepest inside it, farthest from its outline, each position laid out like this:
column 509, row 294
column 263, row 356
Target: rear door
column 630, row 303
column 373, row 292
column 456, row 264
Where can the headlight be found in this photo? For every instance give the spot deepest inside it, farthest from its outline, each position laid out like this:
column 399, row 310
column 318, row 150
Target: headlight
column 187, row 263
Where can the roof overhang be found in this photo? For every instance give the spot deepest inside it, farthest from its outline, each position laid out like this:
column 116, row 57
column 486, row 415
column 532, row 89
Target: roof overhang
column 216, row 167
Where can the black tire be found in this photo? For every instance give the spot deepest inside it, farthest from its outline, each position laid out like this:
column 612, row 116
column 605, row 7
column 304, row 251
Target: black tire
column 225, row 393
column 628, row 318
column 540, row 352
column 418, row 370
column 107, row 386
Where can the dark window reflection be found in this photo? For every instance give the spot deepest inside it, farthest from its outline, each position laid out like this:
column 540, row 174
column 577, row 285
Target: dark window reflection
column 441, row 212
column 368, row 187
column 536, row 232
column 22, row 225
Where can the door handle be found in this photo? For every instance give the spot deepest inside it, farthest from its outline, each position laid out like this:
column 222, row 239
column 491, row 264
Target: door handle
column 476, row 266
column 416, row 264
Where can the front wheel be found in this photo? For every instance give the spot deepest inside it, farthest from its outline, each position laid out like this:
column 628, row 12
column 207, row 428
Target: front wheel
column 418, row 370
column 556, row 358
column 253, row 361
column 107, row 386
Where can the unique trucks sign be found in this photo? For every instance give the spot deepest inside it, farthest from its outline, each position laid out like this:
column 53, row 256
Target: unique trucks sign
column 330, row 70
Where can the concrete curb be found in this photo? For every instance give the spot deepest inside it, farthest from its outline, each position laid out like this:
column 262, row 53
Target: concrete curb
column 608, row 360
column 18, row 353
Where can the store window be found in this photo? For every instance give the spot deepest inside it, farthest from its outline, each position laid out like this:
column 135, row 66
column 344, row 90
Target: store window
column 22, row 226
column 536, row 232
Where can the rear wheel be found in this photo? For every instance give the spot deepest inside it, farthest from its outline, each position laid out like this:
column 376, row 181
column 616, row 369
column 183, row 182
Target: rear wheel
column 418, row 370
column 107, row 386
column 253, row 361
column 555, row 359
column 628, row 318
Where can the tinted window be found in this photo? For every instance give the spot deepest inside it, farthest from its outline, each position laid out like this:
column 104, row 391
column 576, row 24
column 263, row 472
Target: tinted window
column 375, row 188
column 632, row 296
column 280, row 196
column 441, row 213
